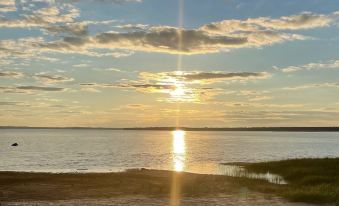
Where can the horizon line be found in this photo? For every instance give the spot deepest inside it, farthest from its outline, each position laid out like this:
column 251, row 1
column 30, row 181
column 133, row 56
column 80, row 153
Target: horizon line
column 171, row 128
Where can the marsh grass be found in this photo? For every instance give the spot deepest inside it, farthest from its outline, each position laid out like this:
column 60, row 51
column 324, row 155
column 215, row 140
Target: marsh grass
column 309, row 180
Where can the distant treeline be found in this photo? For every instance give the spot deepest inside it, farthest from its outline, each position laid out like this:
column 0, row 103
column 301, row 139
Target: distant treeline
column 272, row 129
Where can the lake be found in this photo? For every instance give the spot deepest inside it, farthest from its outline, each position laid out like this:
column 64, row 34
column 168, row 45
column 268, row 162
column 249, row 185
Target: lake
column 80, row 150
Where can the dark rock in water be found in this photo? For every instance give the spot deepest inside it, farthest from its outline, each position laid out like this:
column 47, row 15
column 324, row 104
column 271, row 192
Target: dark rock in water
column 14, row 144
column 82, row 169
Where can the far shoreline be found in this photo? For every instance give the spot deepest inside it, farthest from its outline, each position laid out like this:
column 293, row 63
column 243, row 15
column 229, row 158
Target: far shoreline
column 202, row 129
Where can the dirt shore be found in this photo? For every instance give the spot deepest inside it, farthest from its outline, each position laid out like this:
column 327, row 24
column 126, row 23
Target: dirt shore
column 136, row 187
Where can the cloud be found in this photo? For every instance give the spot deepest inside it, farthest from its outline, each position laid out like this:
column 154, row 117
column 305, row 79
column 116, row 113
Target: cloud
column 190, row 94
column 187, row 86
column 309, row 86
column 81, row 45
column 7, row 2
column 260, row 98
column 137, row 106
column 198, row 77
column 220, row 76
column 253, row 95
column 113, row 69
column 102, row 85
column 50, row 79
column 78, row 29
column 333, row 64
column 254, row 104
column 94, row 87
column 38, row 88
column 161, row 39
column 7, row 6
column 162, row 88
column 29, row 89
column 81, row 65
column 52, row 18
column 306, row 20
column 28, row 49
column 7, row 9
column 11, row 103
column 129, row 107
column 149, row 88
column 89, row 89
column 210, row 38
column 11, row 74
column 133, row 26
column 22, row 51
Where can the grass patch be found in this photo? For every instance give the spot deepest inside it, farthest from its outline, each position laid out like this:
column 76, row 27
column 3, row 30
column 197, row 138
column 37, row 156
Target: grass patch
column 310, row 180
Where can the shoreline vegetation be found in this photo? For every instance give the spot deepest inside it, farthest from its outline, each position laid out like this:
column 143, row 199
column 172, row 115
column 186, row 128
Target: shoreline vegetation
column 309, row 181
column 269, row 129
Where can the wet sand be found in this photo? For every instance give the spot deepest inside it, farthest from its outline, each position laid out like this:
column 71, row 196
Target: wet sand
column 135, row 187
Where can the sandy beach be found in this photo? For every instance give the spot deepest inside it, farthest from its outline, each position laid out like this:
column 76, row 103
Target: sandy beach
column 135, row 187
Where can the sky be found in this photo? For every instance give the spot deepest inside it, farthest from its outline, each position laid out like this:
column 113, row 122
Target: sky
column 188, row 63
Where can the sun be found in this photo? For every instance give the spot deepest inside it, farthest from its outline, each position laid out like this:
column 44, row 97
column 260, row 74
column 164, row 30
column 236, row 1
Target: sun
column 181, row 93
column 178, row 91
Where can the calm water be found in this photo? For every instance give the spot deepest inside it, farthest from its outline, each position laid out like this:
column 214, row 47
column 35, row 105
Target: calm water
column 199, row 152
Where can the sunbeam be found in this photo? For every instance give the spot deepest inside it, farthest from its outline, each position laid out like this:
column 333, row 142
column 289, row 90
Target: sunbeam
column 178, row 136
column 179, row 149
column 179, row 155
column 179, row 57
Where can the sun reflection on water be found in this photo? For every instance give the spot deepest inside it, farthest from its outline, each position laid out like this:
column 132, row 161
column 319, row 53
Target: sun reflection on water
column 179, row 150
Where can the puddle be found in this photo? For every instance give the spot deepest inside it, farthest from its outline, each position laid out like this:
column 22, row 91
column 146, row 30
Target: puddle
column 240, row 171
